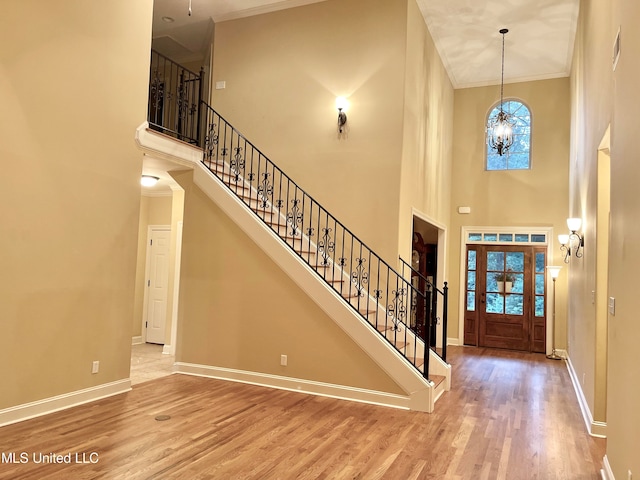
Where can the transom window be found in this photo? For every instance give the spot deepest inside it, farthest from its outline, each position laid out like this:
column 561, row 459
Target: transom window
column 518, row 157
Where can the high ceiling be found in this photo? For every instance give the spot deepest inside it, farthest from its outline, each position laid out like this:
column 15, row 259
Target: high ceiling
column 539, row 44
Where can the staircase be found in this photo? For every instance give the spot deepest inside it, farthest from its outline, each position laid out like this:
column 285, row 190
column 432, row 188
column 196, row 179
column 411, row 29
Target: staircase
column 367, row 297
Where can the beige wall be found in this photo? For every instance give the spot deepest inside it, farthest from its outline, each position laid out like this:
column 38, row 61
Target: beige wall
column 600, row 97
column 238, row 310
column 69, row 192
column 528, row 198
column 428, row 131
column 591, row 91
column 283, row 72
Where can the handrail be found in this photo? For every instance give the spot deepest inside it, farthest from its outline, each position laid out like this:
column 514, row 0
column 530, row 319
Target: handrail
column 368, row 284
column 445, row 299
column 175, row 93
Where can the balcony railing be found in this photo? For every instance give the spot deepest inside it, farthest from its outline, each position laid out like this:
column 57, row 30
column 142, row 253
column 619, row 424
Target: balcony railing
column 174, row 99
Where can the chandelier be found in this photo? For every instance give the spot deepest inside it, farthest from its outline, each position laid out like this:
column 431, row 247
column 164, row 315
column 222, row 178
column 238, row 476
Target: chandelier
column 500, row 126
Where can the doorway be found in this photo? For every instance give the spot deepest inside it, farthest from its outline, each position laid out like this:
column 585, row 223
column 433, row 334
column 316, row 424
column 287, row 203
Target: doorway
column 427, row 263
column 506, row 297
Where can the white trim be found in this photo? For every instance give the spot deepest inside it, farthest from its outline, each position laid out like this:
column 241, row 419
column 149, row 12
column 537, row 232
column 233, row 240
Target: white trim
column 296, row 385
column 606, row 472
column 171, row 348
column 453, row 341
column 164, row 147
column 595, row 428
column 464, row 232
column 26, row 411
column 137, row 340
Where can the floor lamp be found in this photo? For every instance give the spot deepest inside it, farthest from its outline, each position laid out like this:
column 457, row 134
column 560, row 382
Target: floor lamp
column 554, row 272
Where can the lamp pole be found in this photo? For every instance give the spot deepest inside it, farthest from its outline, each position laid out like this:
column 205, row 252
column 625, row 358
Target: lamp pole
column 554, row 272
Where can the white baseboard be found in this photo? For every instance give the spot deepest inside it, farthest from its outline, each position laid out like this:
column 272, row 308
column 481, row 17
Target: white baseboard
column 136, row 340
column 296, row 385
column 595, row 428
column 606, row 472
column 168, row 350
column 61, row 402
column 453, row 341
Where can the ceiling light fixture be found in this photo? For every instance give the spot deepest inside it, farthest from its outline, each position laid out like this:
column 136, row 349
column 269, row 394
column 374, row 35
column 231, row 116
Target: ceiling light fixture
column 500, row 126
column 148, row 180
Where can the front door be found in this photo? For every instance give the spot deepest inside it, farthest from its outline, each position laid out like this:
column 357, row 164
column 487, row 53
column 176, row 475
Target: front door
column 506, row 296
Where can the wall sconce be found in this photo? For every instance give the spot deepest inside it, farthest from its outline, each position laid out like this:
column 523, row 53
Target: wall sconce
column 572, row 240
column 341, row 105
column 148, row 180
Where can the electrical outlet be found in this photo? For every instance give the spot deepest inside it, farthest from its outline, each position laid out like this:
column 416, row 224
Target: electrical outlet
column 283, row 360
column 95, row 367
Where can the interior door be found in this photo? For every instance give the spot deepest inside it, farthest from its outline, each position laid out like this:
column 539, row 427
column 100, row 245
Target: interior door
column 157, row 286
column 500, row 315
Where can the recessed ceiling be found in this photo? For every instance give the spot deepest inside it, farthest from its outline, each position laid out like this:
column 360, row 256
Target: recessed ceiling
column 539, row 44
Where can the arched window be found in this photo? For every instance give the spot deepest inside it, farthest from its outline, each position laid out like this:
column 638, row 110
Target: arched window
column 518, row 157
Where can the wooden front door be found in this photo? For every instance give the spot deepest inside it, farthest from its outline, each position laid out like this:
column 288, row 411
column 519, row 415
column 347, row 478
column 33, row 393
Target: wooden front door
column 506, row 297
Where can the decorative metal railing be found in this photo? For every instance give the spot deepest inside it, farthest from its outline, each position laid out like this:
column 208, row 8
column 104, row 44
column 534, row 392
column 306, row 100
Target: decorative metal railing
column 430, row 297
column 368, row 284
column 174, row 99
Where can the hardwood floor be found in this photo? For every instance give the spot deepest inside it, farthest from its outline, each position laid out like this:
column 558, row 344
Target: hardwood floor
column 509, row 415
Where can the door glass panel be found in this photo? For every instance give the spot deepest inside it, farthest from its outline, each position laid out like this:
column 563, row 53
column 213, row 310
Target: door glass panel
column 495, row 303
column 506, row 237
column 495, row 261
column 471, row 301
column 518, row 283
column 471, row 280
column 539, row 287
column 522, row 237
column 515, row 261
column 490, row 237
column 471, row 261
column 515, row 304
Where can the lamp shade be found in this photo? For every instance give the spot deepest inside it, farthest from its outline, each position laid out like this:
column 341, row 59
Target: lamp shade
column 574, row 224
column 563, row 239
column 341, row 103
column 554, row 271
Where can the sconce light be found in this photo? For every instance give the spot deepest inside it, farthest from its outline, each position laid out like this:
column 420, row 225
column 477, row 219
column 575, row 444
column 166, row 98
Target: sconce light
column 148, row 180
column 341, row 105
column 572, row 240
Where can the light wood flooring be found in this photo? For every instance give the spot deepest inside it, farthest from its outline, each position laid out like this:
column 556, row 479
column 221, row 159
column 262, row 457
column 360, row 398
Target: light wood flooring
column 508, row 416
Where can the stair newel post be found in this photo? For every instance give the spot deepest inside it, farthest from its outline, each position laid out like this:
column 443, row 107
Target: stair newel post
column 445, row 306
column 427, row 333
